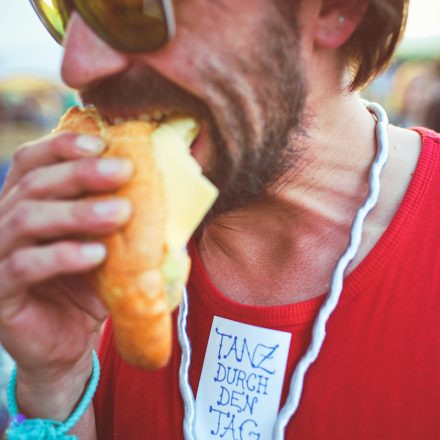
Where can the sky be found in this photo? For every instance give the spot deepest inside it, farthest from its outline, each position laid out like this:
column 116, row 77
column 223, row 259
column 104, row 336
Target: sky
column 25, row 45
column 27, row 48
column 423, row 18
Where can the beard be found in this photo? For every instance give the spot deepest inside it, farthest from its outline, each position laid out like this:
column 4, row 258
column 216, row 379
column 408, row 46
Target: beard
column 252, row 104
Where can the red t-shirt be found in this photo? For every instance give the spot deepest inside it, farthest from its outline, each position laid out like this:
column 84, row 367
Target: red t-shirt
column 378, row 373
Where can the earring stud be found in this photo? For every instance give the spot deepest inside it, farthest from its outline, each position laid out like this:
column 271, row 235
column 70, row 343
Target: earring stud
column 341, row 19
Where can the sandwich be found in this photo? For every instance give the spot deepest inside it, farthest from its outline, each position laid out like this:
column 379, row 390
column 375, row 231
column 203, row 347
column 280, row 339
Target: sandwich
column 147, row 266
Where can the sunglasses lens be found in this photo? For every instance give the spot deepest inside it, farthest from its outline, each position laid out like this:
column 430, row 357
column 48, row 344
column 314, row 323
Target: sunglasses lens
column 54, row 15
column 129, row 25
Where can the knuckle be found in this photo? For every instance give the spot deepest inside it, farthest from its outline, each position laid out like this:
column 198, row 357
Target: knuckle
column 80, row 171
column 17, row 265
column 20, row 216
column 62, row 254
column 60, row 144
column 56, row 143
column 81, row 212
column 27, row 184
column 19, row 156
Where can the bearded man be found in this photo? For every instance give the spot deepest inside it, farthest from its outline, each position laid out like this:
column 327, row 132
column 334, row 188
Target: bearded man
column 289, row 144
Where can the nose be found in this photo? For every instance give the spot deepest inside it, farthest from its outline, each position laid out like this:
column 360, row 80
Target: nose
column 87, row 58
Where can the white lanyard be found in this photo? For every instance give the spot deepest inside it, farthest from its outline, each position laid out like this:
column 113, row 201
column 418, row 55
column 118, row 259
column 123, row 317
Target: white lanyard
column 318, row 332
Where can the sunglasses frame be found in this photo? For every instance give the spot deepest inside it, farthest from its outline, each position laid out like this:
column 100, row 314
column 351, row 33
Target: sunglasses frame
column 167, row 8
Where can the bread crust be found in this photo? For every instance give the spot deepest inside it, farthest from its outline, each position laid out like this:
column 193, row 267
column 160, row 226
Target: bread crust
column 130, row 281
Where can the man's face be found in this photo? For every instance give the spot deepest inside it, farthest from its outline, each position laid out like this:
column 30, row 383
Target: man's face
column 235, row 66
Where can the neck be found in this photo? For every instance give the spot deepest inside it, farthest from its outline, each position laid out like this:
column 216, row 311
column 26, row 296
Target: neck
column 284, row 248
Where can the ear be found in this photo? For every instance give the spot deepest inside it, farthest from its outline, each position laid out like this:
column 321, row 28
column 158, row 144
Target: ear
column 337, row 21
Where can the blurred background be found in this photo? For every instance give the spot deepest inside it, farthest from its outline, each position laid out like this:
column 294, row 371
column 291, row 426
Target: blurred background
column 32, row 96
column 410, row 88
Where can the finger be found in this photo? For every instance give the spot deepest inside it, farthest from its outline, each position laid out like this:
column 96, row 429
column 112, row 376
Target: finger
column 48, row 150
column 32, row 265
column 69, row 179
column 31, row 221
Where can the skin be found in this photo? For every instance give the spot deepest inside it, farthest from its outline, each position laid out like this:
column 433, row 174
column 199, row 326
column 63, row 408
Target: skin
column 43, row 300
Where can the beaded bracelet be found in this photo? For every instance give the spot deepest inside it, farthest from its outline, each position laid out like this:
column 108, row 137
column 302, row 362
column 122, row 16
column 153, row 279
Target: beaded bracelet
column 21, row 428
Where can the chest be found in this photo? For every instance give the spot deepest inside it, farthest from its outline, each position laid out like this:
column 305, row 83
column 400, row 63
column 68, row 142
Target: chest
column 374, row 378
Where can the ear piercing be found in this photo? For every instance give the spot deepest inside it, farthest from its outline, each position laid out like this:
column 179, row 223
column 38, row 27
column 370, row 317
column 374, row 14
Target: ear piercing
column 341, row 19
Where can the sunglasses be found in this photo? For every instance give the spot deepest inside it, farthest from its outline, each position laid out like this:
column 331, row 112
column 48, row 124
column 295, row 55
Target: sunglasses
column 126, row 25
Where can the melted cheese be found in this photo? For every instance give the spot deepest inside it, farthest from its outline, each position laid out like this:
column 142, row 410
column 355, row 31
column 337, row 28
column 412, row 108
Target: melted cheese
column 189, row 195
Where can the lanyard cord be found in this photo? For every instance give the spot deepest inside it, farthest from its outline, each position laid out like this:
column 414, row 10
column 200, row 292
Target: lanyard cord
column 318, row 332
column 185, row 387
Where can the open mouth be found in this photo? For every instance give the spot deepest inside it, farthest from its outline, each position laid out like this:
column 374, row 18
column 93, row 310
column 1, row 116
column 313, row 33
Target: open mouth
column 158, row 116
column 162, row 117
column 199, row 140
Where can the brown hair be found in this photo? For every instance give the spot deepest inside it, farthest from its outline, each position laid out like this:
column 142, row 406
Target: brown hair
column 371, row 47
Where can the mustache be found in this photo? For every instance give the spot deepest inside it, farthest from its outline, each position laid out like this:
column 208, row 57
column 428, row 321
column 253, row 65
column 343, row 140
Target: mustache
column 142, row 90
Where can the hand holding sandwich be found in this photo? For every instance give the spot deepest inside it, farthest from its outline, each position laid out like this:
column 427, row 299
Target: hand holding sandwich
column 49, row 317
column 56, row 191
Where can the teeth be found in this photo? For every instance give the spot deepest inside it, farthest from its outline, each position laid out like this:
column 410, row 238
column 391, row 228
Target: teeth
column 118, row 120
column 145, row 117
column 157, row 116
column 160, row 115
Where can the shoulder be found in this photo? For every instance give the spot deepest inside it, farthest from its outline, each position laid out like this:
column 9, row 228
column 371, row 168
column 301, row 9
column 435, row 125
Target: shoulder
column 409, row 149
column 426, row 135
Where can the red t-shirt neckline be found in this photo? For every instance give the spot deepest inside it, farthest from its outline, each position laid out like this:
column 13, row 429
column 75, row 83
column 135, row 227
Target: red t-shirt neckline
column 301, row 313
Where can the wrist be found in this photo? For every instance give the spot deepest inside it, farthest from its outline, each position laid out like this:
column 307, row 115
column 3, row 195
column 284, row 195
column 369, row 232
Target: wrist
column 52, row 393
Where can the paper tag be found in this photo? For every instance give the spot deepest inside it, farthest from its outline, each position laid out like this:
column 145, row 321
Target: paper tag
column 241, row 382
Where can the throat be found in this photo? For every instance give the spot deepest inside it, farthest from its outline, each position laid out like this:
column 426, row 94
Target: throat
column 277, row 266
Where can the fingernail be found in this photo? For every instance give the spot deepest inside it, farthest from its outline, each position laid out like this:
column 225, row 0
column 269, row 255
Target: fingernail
column 119, row 210
column 94, row 253
column 113, row 166
column 89, row 144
